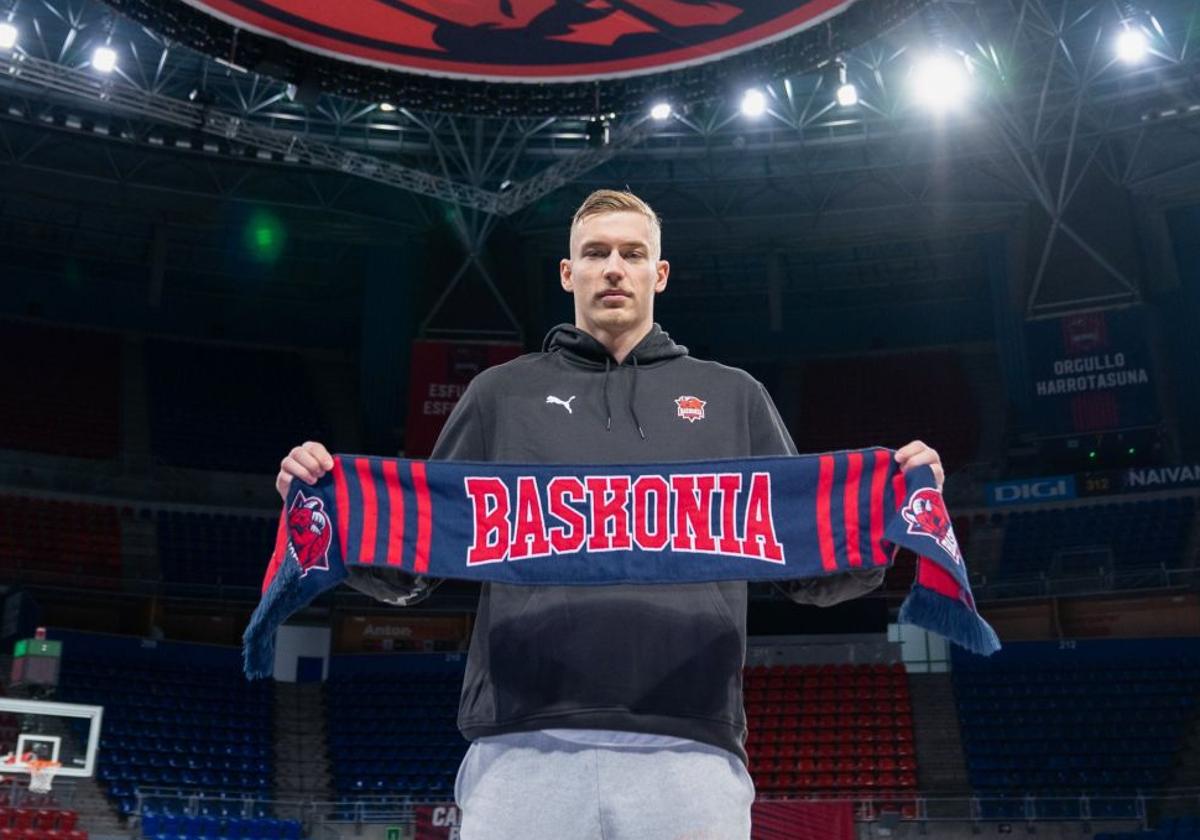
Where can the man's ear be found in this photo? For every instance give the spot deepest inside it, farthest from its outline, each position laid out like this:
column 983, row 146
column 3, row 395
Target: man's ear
column 564, row 275
column 664, row 270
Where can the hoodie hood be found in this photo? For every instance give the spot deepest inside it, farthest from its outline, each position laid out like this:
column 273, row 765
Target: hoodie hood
column 581, row 349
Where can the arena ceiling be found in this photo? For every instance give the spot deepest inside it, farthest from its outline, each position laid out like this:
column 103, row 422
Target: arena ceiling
column 198, row 113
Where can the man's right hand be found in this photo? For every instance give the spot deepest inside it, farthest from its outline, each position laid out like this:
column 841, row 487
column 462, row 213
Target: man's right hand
column 307, row 462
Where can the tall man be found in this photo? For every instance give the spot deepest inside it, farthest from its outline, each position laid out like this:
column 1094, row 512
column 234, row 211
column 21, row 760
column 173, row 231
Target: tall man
column 609, row 712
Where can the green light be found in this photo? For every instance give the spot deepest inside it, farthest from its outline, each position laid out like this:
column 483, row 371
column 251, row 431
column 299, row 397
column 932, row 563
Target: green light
column 1132, row 450
column 264, row 236
column 1092, row 454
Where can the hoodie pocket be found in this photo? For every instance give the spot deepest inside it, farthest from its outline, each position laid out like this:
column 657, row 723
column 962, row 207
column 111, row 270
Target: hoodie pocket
column 663, row 650
column 722, row 607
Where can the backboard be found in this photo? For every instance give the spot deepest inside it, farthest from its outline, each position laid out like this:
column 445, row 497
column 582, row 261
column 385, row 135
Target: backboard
column 68, row 733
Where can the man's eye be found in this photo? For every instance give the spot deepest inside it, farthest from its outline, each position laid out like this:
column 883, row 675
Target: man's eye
column 634, row 255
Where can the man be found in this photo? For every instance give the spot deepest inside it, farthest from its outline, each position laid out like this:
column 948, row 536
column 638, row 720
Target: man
column 612, row 711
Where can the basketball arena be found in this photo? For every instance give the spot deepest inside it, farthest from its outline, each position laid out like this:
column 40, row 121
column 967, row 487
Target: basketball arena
column 599, row 419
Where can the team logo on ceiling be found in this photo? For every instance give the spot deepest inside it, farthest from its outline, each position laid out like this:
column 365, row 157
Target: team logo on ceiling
column 526, row 40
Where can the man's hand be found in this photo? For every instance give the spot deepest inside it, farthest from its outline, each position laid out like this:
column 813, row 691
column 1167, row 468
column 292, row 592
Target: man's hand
column 307, row 462
column 915, row 454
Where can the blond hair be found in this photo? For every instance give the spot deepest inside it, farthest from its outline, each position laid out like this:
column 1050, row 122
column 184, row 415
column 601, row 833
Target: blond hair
column 620, row 201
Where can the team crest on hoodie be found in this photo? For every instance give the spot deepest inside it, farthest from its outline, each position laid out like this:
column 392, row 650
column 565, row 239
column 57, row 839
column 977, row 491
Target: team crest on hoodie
column 690, row 408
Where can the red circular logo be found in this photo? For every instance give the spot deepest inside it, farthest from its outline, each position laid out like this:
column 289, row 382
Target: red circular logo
column 526, row 40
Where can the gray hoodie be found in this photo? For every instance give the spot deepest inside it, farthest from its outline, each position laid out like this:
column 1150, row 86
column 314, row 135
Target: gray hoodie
column 662, row 659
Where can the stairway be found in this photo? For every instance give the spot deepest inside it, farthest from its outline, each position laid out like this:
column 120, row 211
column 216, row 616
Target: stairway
column 941, row 764
column 97, row 816
column 302, row 770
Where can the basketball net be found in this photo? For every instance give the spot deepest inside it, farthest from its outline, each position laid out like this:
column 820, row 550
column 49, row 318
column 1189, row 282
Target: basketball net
column 41, row 775
column 41, row 772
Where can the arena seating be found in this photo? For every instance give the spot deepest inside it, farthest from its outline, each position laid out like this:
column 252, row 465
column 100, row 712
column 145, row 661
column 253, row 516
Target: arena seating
column 843, row 730
column 204, row 548
column 376, row 751
column 1175, row 828
column 169, row 826
column 885, row 400
column 39, row 824
column 1106, row 727
column 62, row 390
column 182, row 728
column 1140, row 534
column 228, row 408
column 59, row 542
column 816, row 730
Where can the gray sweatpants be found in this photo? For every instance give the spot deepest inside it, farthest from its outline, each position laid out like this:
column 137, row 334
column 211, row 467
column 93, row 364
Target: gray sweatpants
column 530, row 786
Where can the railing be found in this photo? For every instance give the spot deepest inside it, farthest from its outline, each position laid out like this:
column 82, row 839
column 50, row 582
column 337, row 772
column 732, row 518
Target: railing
column 14, row 792
column 1142, row 808
column 1102, row 581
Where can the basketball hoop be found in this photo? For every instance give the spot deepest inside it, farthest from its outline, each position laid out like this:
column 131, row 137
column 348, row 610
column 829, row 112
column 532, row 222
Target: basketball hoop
column 41, row 775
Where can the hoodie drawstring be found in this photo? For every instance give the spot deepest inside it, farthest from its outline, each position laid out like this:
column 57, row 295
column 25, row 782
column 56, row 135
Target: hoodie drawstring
column 632, row 394
column 607, row 407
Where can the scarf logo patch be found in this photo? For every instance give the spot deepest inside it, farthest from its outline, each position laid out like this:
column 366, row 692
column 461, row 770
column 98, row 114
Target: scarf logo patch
column 927, row 516
column 310, row 534
column 690, row 408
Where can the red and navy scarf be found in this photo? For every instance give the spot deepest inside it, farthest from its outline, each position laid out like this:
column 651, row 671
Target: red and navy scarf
column 775, row 518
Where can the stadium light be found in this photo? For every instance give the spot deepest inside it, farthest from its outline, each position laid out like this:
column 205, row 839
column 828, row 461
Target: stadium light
column 104, row 59
column 940, row 81
column 847, row 93
column 661, row 110
column 754, row 103
column 387, row 107
column 1131, row 46
column 8, row 36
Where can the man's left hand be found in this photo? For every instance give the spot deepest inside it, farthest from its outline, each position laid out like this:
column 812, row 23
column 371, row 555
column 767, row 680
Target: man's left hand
column 915, row 454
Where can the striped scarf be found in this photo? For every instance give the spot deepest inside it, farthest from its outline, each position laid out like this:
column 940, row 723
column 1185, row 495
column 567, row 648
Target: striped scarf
column 774, row 518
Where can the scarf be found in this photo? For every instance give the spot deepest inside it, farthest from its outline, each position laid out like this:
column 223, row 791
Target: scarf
column 753, row 519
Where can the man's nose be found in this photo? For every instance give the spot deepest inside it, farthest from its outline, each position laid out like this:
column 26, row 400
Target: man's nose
column 614, row 266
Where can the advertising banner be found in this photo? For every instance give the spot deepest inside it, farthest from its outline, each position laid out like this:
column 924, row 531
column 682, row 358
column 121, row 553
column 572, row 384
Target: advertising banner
column 441, row 371
column 1091, row 373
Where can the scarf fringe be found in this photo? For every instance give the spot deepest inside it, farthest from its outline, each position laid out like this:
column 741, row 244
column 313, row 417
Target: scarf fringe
column 283, row 597
column 928, row 610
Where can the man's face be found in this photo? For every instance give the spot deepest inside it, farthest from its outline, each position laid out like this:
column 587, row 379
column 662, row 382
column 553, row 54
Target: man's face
column 614, row 272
